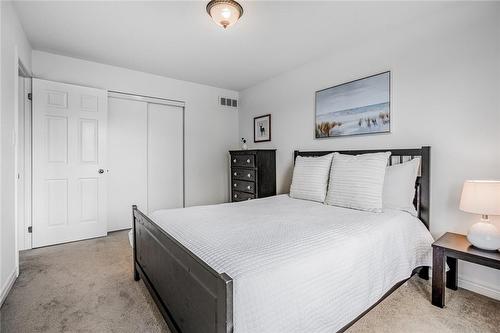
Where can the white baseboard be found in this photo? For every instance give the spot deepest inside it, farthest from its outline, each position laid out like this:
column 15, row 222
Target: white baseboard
column 488, row 291
column 8, row 285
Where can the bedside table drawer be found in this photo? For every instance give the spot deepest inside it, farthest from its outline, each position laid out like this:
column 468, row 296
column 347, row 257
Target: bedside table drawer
column 242, row 196
column 243, row 160
column 241, row 185
column 243, row 174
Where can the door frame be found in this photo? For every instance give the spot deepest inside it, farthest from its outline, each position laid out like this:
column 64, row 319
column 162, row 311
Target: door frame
column 162, row 101
column 23, row 237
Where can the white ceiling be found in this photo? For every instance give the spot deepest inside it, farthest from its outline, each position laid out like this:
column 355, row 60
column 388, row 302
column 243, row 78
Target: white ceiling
column 179, row 40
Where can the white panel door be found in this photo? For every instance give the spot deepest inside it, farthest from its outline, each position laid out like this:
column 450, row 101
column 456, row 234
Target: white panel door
column 127, row 155
column 165, row 157
column 69, row 151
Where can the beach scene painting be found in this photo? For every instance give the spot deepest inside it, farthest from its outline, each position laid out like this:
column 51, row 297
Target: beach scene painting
column 358, row 107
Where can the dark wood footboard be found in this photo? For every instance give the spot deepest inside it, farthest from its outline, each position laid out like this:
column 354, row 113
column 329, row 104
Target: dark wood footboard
column 191, row 296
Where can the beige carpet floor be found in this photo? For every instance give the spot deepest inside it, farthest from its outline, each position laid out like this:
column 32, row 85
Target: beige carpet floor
column 88, row 287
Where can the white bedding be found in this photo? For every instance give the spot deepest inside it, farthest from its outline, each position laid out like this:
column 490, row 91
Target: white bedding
column 297, row 265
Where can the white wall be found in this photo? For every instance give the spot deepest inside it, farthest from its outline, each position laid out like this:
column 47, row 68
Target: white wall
column 14, row 47
column 210, row 130
column 446, row 94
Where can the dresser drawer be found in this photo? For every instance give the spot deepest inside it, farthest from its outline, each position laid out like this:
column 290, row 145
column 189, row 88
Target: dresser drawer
column 243, row 174
column 243, row 160
column 242, row 196
column 241, row 185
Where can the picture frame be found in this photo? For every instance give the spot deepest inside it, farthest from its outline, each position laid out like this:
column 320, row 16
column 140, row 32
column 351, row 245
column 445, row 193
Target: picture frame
column 262, row 128
column 358, row 107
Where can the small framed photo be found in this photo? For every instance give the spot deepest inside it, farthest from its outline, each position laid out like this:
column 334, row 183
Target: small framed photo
column 262, row 128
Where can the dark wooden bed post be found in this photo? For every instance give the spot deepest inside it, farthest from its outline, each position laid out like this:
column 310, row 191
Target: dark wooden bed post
column 425, row 184
column 136, row 273
column 425, row 190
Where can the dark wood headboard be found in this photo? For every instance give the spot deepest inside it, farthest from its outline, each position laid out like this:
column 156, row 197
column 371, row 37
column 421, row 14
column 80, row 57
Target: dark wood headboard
column 422, row 185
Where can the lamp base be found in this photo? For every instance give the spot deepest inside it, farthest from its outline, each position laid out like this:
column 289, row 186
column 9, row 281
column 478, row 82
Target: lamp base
column 484, row 235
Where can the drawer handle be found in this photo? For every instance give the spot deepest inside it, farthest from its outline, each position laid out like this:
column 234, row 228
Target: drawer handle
column 248, row 187
column 234, row 185
column 234, row 161
column 248, row 161
column 249, row 175
column 236, row 195
column 235, row 174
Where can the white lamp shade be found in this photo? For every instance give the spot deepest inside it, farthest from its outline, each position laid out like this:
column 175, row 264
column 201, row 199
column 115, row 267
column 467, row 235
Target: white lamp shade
column 481, row 197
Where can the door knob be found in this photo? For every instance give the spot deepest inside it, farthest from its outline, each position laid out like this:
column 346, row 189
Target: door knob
column 101, row 171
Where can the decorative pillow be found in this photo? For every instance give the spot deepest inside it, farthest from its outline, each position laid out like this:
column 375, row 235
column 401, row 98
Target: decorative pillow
column 357, row 181
column 310, row 177
column 399, row 186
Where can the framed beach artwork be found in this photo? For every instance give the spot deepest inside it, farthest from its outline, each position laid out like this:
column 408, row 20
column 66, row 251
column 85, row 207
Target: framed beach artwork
column 358, row 107
column 262, row 128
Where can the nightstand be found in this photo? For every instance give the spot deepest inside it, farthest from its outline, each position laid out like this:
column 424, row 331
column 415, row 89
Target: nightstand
column 448, row 249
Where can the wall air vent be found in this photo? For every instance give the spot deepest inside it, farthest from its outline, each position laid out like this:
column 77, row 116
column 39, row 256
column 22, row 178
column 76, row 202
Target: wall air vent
column 228, row 102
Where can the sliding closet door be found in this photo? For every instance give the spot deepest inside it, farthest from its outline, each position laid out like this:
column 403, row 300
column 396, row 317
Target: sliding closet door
column 127, row 151
column 165, row 157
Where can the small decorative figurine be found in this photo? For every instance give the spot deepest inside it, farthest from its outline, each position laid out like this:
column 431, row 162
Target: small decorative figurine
column 244, row 144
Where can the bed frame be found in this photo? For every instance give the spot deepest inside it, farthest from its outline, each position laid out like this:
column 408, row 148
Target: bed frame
column 192, row 296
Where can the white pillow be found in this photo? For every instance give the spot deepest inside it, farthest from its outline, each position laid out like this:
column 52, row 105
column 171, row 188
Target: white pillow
column 399, row 186
column 310, row 177
column 357, row 181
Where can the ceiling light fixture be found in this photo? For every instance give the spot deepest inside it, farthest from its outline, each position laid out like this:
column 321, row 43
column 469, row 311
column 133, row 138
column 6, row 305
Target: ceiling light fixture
column 224, row 12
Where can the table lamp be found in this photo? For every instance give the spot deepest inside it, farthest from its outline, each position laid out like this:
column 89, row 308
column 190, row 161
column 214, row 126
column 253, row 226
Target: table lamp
column 482, row 197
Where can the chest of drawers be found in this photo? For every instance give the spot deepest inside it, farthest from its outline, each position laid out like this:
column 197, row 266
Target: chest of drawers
column 253, row 174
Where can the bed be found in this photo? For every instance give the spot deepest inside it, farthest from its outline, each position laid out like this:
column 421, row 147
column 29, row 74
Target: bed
column 280, row 264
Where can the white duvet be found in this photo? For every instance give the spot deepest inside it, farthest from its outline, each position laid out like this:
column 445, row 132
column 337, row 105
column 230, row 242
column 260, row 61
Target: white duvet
column 301, row 266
